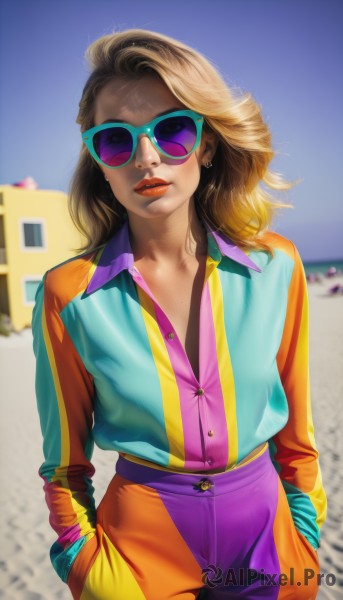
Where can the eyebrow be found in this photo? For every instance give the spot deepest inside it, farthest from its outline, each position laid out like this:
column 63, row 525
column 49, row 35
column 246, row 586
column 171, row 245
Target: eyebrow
column 164, row 112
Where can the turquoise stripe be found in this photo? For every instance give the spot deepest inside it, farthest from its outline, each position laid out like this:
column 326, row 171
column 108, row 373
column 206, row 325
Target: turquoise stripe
column 123, row 402
column 303, row 513
column 45, row 388
column 62, row 560
column 254, row 314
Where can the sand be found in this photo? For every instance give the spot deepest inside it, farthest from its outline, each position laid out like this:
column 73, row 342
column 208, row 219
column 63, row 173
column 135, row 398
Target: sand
column 25, row 570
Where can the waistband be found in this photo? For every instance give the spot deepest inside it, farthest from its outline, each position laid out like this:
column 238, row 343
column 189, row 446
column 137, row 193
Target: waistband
column 196, row 483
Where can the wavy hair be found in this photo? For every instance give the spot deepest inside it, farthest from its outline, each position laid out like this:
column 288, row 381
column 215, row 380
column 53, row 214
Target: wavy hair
column 233, row 195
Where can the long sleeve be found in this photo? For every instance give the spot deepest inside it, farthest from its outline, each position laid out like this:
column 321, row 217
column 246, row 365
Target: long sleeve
column 293, row 449
column 64, row 393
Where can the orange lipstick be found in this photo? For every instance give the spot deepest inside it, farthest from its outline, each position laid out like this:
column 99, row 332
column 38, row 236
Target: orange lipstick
column 152, row 187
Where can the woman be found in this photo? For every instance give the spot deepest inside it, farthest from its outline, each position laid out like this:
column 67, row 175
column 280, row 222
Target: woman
column 178, row 339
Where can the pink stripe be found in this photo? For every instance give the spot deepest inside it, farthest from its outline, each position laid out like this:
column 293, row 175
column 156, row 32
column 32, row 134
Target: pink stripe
column 197, row 412
column 185, row 381
column 188, row 387
column 213, row 401
column 69, row 535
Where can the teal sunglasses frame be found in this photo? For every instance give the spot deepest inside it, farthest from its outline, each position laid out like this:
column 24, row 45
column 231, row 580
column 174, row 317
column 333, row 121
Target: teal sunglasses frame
column 146, row 129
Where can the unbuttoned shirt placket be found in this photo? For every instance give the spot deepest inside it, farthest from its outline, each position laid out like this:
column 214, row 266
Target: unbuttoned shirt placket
column 172, row 340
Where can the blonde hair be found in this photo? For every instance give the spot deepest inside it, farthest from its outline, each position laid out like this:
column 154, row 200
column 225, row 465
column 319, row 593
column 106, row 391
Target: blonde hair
column 230, row 196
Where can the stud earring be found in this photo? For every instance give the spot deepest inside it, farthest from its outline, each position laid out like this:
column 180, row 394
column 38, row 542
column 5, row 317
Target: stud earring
column 208, row 165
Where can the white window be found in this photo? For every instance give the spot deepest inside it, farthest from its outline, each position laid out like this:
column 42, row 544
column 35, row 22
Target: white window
column 33, row 235
column 30, row 285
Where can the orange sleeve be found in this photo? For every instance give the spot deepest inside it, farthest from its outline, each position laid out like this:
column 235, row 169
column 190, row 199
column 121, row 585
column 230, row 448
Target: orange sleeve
column 293, row 449
column 64, row 393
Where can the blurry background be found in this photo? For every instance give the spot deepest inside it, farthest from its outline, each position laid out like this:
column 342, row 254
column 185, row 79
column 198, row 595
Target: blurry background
column 287, row 53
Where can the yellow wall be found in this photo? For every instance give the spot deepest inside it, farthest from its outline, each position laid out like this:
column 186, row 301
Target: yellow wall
column 61, row 238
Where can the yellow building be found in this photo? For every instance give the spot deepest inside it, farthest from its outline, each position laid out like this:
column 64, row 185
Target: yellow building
column 36, row 233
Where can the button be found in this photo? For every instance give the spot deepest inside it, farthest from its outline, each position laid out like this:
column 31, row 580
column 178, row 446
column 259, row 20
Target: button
column 209, row 461
column 200, row 392
column 210, row 433
column 205, row 485
column 170, row 335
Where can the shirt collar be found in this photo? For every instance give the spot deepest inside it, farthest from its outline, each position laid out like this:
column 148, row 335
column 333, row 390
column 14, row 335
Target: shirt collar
column 220, row 245
column 117, row 256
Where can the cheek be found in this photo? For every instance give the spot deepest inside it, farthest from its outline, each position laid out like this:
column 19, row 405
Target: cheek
column 119, row 183
column 190, row 172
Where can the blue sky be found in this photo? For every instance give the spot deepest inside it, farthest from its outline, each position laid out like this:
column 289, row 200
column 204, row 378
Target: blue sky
column 287, row 53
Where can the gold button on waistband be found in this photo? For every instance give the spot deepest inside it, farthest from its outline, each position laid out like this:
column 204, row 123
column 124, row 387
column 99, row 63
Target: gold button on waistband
column 205, row 485
column 210, row 433
column 200, row 392
column 170, row 336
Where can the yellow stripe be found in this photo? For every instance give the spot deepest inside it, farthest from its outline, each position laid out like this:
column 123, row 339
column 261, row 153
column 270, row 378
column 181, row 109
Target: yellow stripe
column 65, row 441
column 318, row 499
column 317, row 494
column 224, row 366
column 169, row 388
column 246, row 462
column 303, row 352
column 110, row 576
column 211, row 264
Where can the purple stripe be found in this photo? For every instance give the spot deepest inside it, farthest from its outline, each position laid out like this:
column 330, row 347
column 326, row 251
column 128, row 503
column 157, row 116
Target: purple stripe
column 69, row 535
column 212, row 403
column 248, row 516
column 228, row 248
column 116, row 257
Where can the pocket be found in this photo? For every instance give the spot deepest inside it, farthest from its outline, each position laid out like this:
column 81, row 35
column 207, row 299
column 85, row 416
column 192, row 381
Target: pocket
column 82, row 565
column 290, row 540
column 298, row 559
column 308, row 545
column 109, row 576
column 63, row 558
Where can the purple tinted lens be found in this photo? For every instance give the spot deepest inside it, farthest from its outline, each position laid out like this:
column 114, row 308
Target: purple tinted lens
column 113, row 146
column 176, row 136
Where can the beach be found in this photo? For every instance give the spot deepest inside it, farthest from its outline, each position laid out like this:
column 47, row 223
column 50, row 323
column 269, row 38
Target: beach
column 26, row 572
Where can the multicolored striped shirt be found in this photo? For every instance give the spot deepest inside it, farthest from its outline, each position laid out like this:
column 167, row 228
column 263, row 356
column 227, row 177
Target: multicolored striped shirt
column 112, row 370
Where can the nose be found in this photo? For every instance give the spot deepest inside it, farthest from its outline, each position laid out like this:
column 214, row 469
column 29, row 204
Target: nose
column 146, row 154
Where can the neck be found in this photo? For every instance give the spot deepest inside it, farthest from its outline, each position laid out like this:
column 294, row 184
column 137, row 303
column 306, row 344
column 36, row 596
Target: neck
column 172, row 239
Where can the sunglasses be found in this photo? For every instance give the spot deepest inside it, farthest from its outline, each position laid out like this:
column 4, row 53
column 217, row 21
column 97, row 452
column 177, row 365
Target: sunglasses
column 175, row 135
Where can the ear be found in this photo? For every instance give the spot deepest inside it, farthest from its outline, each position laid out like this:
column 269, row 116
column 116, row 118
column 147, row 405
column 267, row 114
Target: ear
column 209, row 144
column 103, row 172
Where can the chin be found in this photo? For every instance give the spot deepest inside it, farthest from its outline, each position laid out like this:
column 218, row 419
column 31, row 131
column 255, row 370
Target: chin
column 162, row 207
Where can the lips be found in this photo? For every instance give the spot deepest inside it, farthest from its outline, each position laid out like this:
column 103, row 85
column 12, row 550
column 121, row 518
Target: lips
column 147, row 184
